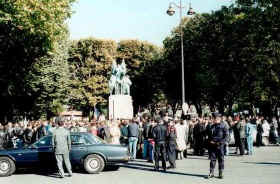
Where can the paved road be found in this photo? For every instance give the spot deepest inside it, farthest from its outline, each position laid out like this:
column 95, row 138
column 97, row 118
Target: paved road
column 261, row 168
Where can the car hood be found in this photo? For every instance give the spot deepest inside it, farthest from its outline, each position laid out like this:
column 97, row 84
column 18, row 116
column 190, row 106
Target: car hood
column 11, row 150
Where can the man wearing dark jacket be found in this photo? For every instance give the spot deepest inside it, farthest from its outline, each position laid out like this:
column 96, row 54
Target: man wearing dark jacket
column 218, row 137
column 27, row 135
column 41, row 131
column 146, row 129
column 133, row 133
column 124, row 133
column 160, row 134
column 241, row 138
column 199, row 137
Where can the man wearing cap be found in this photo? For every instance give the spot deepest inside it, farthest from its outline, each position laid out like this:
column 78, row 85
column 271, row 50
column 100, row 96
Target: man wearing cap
column 218, row 136
column 159, row 133
column 61, row 142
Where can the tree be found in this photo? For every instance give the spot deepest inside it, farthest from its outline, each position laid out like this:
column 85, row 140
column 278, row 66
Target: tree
column 90, row 65
column 143, row 61
column 29, row 30
column 231, row 57
column 48, row 83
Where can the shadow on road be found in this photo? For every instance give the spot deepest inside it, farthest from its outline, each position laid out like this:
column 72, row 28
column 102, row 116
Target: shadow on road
column 42, row 172
column 138, row 164
column 263, row 163
column 151, row 168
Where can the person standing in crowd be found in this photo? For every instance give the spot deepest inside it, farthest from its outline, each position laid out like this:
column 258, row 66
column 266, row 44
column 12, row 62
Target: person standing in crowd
column 61, row 142
column 93, row 129
column 199, row 137
column 27, row 135
column 259, row 133
column 140, row 138
column 151, row 140
column 249, row 127
column 159, row 135
column 82, row 127
column 208, row 134
column 2, row 136
column 133, row 133
column 73, row 127
column 41, row 131
column 171, row 145
column 115, row 132
column 274, row 131
column 181, row 138
column 226, row 122
column 146, row 129
column 240, row 135
column 186, row 122
column 18, row 135
column 218, row 137
column 266, row 130
column 106, row 132
column 124, row 133
column 9, row 135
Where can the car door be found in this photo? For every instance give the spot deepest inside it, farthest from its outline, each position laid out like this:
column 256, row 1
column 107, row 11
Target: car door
column 46, row 154
column 79, row 148
column 26, row 157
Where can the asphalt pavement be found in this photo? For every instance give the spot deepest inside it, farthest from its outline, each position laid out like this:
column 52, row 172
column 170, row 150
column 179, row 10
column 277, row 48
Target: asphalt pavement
column 261, row 168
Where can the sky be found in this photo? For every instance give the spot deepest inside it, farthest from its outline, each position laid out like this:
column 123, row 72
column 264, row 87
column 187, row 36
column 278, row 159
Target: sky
column 131, row 19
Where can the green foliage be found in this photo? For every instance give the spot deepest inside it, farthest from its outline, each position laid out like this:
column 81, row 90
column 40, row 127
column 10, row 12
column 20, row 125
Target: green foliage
column 231, row 55
column 143, row 61
column 90, row 65
column 30, row 33
column 47, row 83
column 43, row 18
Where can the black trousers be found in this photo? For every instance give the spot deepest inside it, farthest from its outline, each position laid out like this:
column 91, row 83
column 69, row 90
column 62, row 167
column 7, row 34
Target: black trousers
column 160, row 153
column 171, row 152
column 242, row 146
column 216, row 152
column 259, row 139
column 199, row 146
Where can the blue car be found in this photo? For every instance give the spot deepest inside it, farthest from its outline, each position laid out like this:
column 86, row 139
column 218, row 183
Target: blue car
column 88, row 151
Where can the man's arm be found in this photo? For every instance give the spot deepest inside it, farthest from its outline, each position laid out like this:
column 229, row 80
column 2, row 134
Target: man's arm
column 226, row 135
column 53, row 142
column 69, row 140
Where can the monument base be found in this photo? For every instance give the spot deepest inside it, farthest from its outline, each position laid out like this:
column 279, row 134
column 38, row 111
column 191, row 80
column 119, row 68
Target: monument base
column 120, row 107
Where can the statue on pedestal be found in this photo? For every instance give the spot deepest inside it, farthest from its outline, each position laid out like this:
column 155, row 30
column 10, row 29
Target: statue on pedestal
column 119, row 83
column 120, row 101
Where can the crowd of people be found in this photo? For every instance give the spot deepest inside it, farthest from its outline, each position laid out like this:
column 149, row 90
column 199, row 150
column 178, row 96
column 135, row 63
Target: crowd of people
column 141, row 134
column 191, row 132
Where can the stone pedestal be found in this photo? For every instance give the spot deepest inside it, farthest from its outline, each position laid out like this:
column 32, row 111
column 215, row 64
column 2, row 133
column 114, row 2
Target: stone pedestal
column 120, row 107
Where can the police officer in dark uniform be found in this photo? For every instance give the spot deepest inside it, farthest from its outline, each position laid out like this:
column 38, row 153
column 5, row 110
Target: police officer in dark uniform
column 159, row 133
column 218, row 136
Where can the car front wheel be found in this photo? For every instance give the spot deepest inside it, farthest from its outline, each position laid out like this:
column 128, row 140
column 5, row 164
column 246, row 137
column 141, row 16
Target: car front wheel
column 7, row 166
column 94, row 164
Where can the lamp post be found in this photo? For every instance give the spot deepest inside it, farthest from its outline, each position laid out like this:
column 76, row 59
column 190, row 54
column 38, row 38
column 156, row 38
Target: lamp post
column 171, row 12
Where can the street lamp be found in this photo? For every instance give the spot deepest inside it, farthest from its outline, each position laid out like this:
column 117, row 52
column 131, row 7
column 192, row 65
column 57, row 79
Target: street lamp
column 171, row 12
